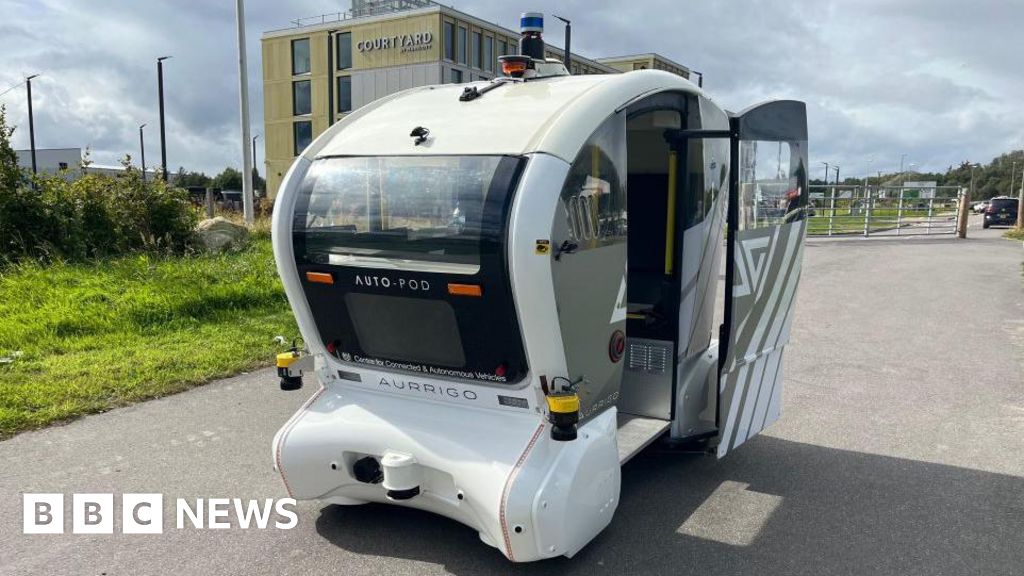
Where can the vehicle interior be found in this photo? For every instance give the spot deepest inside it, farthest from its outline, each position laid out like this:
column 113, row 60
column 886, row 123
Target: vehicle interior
column 663, row 182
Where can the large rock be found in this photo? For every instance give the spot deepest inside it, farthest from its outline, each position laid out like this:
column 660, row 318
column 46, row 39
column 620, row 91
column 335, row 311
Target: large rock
column 220, row 234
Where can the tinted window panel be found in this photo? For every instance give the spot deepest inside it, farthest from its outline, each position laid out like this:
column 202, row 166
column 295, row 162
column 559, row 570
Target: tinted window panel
column 303, row 134
column 301, row 98
column 344, row 50
column 382, row 325
column 488, row 53
column 300, row 56
column 594, row 194
column 413, row 211
column 449, row 41
column 461, row 45
column 474, row 51
column 345, row 94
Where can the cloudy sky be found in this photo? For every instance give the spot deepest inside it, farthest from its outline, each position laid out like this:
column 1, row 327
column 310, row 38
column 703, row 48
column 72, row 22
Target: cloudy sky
column 938, row 80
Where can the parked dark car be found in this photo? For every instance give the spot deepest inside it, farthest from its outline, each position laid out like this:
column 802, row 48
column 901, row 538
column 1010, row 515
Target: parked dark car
column 1000, row 212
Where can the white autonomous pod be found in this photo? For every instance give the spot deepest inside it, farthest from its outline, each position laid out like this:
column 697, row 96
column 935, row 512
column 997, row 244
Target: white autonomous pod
column 507, row 289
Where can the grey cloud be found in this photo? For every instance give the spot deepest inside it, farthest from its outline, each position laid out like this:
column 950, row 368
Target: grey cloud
column 933, row 79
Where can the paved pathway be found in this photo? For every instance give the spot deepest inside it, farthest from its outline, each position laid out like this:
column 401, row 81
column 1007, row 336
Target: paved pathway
column 900, row 451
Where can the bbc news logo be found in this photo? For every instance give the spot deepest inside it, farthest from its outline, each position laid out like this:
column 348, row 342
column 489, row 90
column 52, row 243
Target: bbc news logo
column 144, row 513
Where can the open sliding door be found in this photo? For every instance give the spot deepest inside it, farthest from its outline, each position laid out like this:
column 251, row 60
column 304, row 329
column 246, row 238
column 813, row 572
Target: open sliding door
column 766, row 218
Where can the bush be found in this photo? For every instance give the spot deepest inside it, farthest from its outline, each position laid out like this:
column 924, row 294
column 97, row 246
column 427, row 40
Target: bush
column 51, row 217
column 93, row 216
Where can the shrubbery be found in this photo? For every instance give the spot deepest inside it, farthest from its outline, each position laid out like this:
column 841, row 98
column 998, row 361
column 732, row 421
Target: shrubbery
column 92, row 216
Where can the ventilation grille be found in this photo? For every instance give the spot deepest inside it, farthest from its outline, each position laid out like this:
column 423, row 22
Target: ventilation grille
column 649, row 358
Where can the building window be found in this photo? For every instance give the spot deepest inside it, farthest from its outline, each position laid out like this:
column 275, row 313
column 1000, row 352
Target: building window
column 301, row 100
column 456, row 76
column 461, row 45
column 449, row 41
column 62, row 165
column 488, row 53
column 300, row 56
column 344, row 44
column 303, row 133
column 474, row 50
column 344, row 94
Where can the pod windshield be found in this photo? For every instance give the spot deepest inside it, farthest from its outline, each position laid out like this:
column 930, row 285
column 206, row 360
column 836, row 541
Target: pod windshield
column 425, row 213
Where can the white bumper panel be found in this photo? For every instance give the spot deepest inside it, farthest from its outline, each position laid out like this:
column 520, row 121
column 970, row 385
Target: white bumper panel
column 496, row 471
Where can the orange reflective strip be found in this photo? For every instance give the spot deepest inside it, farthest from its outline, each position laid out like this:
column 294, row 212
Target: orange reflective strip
column 465, row 290
column 320, row 277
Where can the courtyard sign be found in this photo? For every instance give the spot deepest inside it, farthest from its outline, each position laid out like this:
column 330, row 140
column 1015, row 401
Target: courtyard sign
column 404, row 42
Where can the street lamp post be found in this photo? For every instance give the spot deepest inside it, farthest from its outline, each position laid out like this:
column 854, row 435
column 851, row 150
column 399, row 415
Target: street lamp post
column 163, row 131
column 837, row 174
column 910, row 168
column 827, row 172
column 31, row 123
column 248, row 209
column 142, row 151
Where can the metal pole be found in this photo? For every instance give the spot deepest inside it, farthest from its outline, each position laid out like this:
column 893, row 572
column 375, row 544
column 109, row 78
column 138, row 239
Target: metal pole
column 961, row 225
column 1013, row 176
column 931, row 207
column 31, row 124
column 163, row 126
column 255, row 170
column 837, row 175
column 243, row 95
column 567, row 59
column 831, row 211
column 330, row 78
column 868, row 205
column 965, row 200
column 899, row 214
column 142, row 151
column 1020, row 202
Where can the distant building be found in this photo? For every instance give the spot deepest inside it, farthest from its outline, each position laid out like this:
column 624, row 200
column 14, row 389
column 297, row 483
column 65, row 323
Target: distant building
column 52, row 161
column 649, row 61
column 324, row 67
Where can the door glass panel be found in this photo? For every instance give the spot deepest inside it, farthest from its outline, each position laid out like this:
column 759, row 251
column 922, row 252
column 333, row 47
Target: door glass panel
column 772, row 189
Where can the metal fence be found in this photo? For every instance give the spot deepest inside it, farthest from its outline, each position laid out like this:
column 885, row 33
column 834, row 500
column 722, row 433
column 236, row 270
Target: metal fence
column 882, row 210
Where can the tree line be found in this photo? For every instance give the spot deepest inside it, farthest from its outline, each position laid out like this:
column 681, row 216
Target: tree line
column 228, row 179
column 999, row 177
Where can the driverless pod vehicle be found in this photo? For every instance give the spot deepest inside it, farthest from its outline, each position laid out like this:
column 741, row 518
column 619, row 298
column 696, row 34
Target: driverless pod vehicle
column 506, row 289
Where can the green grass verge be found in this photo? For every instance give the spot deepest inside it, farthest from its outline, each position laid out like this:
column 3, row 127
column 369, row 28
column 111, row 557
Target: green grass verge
column 88, row 337
column 1015, row 234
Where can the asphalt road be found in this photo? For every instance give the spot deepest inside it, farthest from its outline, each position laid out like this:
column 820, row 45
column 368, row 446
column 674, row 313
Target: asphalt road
column 900, row 451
